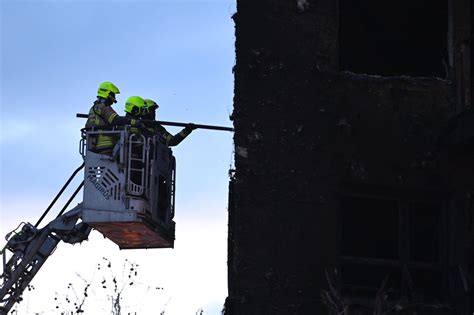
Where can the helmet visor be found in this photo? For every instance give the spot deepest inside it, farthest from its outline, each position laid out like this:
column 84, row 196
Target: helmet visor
column 149, row 109
column 112, row 96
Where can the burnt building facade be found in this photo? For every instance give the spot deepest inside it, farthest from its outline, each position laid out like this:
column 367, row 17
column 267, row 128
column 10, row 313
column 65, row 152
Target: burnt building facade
column 353, row 189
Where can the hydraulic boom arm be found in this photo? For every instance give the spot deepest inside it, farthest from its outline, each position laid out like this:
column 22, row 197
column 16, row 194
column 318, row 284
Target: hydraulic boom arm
column 29, row 248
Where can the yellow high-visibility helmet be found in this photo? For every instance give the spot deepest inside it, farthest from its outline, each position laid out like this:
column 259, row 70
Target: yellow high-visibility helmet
column 134, row 105
column 151, row 104
column 108, row 90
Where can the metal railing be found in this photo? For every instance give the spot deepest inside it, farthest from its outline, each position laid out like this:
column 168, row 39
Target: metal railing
column 136, row 165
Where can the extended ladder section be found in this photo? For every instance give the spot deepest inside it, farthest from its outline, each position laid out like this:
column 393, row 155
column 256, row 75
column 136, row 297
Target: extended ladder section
column 28, row 248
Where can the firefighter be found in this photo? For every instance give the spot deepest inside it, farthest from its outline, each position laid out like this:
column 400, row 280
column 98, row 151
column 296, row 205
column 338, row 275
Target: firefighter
column 133, row 109
column 102, row 117
column 149, row 114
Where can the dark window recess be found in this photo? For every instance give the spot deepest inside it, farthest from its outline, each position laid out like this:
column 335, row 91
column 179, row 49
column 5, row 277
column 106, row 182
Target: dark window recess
column 427, row 284
column 472, row 52
column 390, row 38
column 369, row 228
column 469, row 215
column 366, row 280
column 424, row 232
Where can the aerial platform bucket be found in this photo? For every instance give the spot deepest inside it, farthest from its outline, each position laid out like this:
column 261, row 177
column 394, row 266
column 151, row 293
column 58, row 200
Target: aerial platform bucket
column 129, row 193
column 130, row 230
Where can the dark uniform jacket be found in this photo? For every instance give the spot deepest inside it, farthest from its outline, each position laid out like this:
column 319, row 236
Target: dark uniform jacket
column 102, row 117
column 170, row 140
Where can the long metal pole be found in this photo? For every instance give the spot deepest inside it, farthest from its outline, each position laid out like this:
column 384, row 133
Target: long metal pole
column 200, row 126
column 179, row 124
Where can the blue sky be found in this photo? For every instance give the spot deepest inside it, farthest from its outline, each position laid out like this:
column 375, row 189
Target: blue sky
column 54, row 54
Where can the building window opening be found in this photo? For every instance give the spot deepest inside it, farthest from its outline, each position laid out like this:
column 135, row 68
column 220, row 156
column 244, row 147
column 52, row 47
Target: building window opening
column 393, row 38
column 369, row 228
column 425, row 231
column 426, row 284
column 472, row 54
column 364, row 281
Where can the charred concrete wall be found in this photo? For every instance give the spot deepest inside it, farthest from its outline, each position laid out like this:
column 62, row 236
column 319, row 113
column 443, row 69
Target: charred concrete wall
column 336, row 170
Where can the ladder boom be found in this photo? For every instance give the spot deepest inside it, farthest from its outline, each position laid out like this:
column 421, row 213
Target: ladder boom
column 29, row 248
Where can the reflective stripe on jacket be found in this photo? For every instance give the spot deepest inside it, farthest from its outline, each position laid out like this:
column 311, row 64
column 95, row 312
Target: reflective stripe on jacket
column 101, row 115
column 133, row 124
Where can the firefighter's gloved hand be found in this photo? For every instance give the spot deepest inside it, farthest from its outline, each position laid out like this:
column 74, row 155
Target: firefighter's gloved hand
column 190, row 127
column 141, row 126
